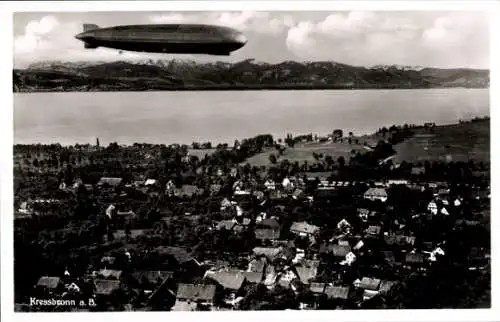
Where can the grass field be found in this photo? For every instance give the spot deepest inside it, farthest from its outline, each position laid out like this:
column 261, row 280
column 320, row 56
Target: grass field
column 201, row 152
column 304, row 152
column 457, row 142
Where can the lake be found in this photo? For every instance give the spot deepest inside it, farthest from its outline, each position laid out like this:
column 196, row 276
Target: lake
column 223, row 116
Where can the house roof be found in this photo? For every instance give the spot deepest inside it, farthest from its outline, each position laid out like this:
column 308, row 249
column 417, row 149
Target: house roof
column 269, row 223
column 50, row 282
column 215, row 188
column 304, row 227
column 385, row 286
column 109, row 273
column 108, row 259
column 110, row 181
column 267, row 233
column 179, row 253
column 337, row 292
column 373, row 230
column 369, row 283
column 417, row 170
column 253, row 277
column 106, row 287
column 195, row 292
column 226, row 224
column 399, row 240
column 317, row 287
column 269, row 252
column 153, row 276
column 307, row 271
column 336, row 250
column 412, row 258
column 376, row 192
column 257, row 264
column 232, row 280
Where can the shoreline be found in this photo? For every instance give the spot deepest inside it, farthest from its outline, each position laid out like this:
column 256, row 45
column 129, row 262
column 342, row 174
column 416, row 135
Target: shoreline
column 242, row 88
column 484, row 118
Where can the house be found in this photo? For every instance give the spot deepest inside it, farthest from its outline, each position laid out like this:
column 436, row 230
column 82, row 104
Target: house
column 363, row 214
column 273, row 253
column 303, row 229
column 350, row 258
column 298, row 194
column 191, row 297
column 111, row 182
column 150, row 182
column 253, row 277
column 179, row 258
column 338, row 251
column 414, row 259
column 110, row 274
column 258, row 265
column 432, row 208
column 370, row 287
column 108, row 261
column 268, row 229
column 227, row 224
column 317, row 288
column 188, row 191
column 399, row 240
column 287, row 184
column 397, row 182
column 373, row 231
column 376, row 194
column 337, row 292
column 215, row 189
column 149, row 280
column 344, row 225
column 49, row 284
column 386, row 286
column 225, row 203
column 368, row 283
column 258, row 194
column 231, row 281
column 416, row 171
column 106, row 288
column 277, row 195
column 270, row 184
column 307, row 270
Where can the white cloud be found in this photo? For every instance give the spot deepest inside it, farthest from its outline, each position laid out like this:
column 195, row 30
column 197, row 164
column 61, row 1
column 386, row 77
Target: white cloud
column 368, row 38
column 359, row 38
column 254, row 21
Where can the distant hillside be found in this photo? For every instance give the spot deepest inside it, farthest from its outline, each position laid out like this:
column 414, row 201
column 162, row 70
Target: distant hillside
column 247, row 74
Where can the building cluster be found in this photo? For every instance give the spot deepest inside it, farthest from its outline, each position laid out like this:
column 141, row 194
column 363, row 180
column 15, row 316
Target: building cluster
column 289, row 245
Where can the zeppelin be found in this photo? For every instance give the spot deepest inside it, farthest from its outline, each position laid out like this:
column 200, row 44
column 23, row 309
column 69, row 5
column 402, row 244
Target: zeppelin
column 168, row 39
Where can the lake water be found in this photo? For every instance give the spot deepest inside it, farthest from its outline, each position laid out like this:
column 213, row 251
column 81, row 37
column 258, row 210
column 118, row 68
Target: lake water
column 223, row 116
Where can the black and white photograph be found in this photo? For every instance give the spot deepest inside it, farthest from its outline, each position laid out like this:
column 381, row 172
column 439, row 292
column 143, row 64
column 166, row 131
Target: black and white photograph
column 250, row 160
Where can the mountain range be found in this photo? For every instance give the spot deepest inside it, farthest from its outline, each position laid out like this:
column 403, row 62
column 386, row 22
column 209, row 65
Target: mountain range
column 248, row 74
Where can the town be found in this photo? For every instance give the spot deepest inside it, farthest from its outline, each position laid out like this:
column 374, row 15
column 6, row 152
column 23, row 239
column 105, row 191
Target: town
column 150, row 227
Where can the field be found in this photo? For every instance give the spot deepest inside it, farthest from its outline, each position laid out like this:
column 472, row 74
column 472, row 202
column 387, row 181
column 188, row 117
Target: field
column 200, row 153
column 304, row 152
column 457, row 142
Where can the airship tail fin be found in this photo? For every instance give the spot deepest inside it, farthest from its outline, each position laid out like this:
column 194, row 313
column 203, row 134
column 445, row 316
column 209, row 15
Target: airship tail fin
column 89, row 26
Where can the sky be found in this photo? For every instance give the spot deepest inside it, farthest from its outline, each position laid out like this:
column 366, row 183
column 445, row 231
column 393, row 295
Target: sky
column 361, row 38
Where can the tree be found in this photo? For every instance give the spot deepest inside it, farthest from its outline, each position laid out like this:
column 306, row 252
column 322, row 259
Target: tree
column 341, row 161
column 337, row 134
column 273, row 159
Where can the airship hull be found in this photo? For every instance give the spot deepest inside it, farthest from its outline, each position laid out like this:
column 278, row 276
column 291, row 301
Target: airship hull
column 174, row 39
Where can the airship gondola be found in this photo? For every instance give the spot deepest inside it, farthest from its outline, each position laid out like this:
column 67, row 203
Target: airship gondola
column 165, row 38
